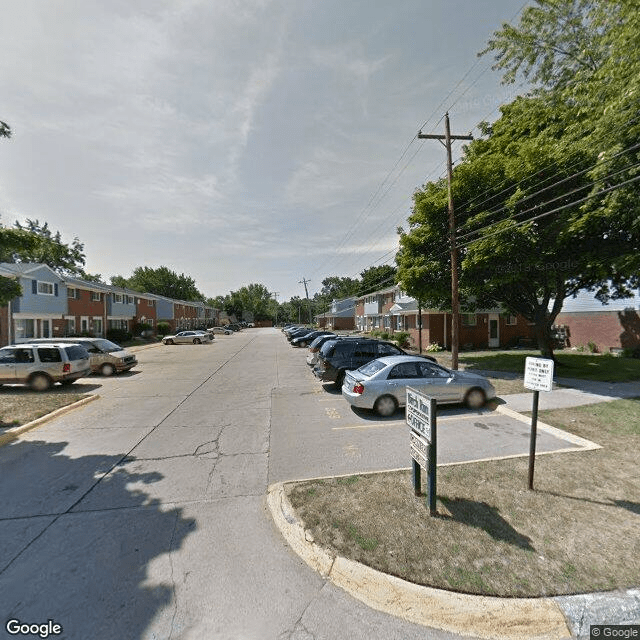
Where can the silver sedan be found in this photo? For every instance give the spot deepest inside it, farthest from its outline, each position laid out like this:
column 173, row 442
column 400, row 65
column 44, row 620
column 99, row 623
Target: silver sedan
column 381, row 384
column 187, row 337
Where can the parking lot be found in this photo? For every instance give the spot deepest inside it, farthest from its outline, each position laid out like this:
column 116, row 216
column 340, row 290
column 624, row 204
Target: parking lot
column 315, row 432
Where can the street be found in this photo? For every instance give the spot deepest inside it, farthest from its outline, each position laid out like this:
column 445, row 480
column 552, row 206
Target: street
column 142, row 515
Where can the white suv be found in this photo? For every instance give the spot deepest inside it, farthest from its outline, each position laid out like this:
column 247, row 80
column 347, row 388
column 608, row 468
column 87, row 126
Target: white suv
column 40, row 365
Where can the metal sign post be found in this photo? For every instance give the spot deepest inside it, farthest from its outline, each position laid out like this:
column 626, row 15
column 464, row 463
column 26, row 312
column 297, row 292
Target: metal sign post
column 421, row 418
column 538, row 376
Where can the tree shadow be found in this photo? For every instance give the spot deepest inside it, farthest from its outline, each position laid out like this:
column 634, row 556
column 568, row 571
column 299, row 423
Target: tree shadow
column 102, row 572
column 634, row 507
column 630, row 321
column 487, row 518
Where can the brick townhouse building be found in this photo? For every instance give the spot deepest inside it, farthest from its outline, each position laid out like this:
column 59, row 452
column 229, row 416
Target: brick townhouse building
column 52, row 305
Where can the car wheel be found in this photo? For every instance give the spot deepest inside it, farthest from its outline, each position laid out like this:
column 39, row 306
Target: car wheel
column 339, row 380
column 385, row 406
column 303, row 344
column 168, row 342
column 40, row 382
column 475, row 398
column 197, row 341
column 108, row 369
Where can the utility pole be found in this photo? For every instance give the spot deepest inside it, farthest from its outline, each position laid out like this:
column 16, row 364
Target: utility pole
column 275, row 294
column 304, row 281
column 455, row 302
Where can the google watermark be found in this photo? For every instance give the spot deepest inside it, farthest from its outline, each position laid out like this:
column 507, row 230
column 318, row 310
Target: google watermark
column 15, row 627
column 597, row 631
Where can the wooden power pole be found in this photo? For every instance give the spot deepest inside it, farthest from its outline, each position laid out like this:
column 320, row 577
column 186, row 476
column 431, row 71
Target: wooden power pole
column 455, row 303
column 304, row 281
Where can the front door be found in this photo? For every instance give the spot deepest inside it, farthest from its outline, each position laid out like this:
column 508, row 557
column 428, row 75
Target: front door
column 494, row 330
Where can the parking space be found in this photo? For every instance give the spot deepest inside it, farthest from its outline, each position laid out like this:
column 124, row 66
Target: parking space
column 315, row 432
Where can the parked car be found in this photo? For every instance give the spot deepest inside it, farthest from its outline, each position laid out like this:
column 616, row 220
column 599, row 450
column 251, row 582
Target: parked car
column 41, row 365
column 338, row 356
column 308, row 338
column 382, row 384
column 106, row 357
column 234, row 326
column 187, row 337
column 298, row 333
column 314, row 347
column 222, row 330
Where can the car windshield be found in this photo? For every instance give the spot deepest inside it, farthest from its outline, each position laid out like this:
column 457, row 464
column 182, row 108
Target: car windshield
column 107, row 345
column 371, row 367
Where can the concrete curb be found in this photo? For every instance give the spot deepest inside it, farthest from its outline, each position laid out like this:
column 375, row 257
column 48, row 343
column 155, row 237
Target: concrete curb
column 12, row 434
column 481, row 616
column 585, row 445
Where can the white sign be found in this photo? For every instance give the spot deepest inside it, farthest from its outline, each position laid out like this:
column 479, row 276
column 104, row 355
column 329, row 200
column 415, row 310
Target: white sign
column 419, row 413
column 538, row 374
column 420, row 450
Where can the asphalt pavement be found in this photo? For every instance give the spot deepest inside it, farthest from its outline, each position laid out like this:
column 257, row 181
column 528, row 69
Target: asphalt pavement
column 143, row 514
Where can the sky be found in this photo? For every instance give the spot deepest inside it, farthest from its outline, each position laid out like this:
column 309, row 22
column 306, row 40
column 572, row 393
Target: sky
column 237, row 141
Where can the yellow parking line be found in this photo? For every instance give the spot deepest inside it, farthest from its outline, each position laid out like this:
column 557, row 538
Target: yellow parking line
column 398, row 423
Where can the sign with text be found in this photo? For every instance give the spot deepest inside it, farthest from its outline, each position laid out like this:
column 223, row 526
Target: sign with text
column 419, row 413
column 538, row 374
column 420, row 450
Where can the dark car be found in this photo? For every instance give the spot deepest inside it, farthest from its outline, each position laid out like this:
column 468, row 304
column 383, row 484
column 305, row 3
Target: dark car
column 298, row 333
column 307, row 339
column 338, row 356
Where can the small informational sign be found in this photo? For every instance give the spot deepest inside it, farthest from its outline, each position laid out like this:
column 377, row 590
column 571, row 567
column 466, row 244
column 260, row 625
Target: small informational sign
column 538, row 374
column 419, row 413
column 420, row 450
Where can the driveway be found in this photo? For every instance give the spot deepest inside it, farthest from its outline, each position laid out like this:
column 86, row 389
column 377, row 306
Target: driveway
column 142, row 515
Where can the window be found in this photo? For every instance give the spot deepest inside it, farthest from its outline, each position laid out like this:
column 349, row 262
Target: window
column 403, row 370
column 45, row 288
column 387, row 350
column 72, row 293
column 69, row 326
column 49, row 354
column 512, row 320
column 150, row 303
column 117, row 297
column 96, row 296
column 97, row 326
column 25, row 329
column 429, row 370
column 129, row 299
column 468, row 319
column 365, row 350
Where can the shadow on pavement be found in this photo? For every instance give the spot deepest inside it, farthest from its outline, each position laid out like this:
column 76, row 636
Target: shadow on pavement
column 100, row 574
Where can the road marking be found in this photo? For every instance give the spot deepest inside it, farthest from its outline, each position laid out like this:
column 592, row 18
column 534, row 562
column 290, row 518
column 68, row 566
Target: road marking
column 400, row 423
column 332, row 413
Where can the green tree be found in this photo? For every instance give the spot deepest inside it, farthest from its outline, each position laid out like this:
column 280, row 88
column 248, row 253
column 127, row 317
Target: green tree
column 550, row 200
column 375, row 278
column 48, row 248
column 5, row 130
column 334, row 288
column 13, row 241
column 162, row 281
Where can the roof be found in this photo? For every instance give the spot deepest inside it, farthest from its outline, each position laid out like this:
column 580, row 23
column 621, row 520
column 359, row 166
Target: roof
column 585, row 301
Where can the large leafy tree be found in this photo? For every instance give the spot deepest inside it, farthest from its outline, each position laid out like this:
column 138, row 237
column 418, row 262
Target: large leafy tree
column 548, row 202
column 162, row 281
column 377, row 278
column 335, row 288
column 49, row 249
column 13, row 241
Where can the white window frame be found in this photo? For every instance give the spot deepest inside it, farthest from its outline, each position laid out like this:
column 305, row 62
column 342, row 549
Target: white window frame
column 96, row 296
column 45, row 284
column 72, row 292
column 70, row 324
column 511, row 321
column 117, row 298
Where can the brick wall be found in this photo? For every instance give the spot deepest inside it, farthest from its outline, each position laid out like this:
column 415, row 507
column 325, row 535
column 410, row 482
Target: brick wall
column 608, row 329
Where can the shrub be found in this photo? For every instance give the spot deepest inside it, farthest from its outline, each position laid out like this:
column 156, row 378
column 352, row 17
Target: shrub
column 384, row 335
column 118, row 335
column 434, row 347
column 631, row 352
column 163, row 328
column 402, row 338
column 592, row 346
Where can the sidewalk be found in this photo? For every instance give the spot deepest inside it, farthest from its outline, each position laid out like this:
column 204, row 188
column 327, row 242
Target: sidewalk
column 573, row 392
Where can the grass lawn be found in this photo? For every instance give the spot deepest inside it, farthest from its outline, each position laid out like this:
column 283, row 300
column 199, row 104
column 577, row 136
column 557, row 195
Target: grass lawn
column 570, row 365
column 19, row 405
column 579, row 531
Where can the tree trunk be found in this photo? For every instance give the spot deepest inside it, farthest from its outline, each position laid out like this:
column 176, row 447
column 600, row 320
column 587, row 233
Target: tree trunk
column 545, row 341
